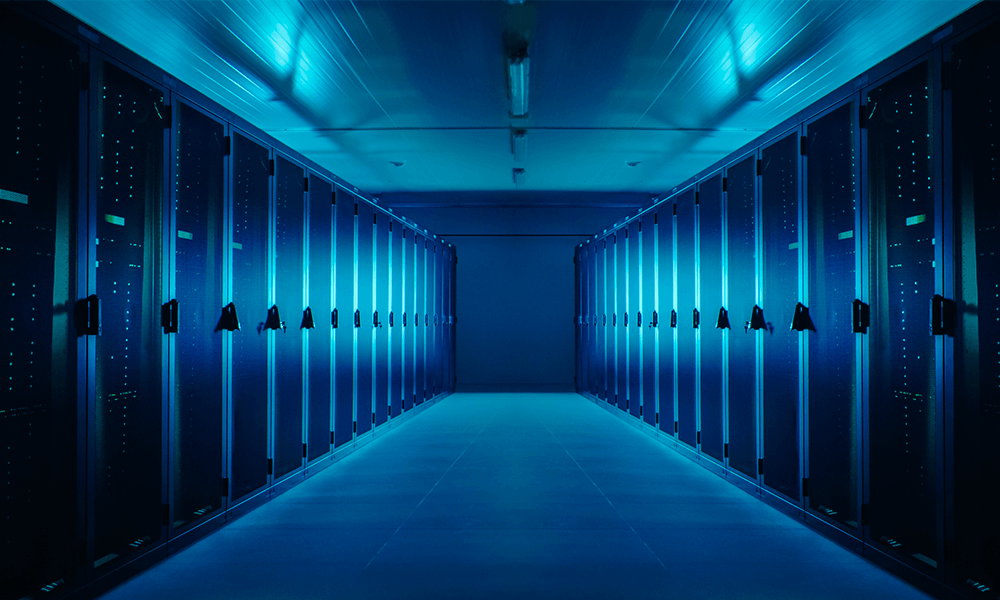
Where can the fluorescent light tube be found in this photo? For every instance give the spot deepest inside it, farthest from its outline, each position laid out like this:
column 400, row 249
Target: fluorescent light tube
column 520, row 145
column 517, row 75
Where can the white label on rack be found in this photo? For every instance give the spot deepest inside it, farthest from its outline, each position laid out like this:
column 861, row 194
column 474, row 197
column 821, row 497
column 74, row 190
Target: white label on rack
column 115, row 220
column 915, row 220
column 843, row 235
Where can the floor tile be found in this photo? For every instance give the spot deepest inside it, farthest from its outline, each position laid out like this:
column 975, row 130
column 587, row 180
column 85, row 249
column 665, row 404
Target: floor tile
column 499, row 496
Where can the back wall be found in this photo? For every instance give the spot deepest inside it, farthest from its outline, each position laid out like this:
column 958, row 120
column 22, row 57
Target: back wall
column 515, row 298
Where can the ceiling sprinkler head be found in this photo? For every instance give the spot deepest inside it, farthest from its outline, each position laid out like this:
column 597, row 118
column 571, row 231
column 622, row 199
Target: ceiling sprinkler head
column 634, row 163
column 396, row 163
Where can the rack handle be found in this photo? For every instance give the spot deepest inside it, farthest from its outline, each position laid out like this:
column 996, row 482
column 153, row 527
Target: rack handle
column 307, row 319
column 273, row 320
column 801, row 320
column 723, row 321
column 860, row 314
column 168, row 316
column 88, row 316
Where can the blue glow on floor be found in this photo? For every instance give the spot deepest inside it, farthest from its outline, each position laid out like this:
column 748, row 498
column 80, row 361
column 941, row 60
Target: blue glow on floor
column 515, row 495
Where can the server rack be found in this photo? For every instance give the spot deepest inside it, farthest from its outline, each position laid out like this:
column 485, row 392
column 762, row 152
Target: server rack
column 650, row 318
column 320, row 305
column 715, row 318
column 633, row 321
column 173, row 270
column 854, row 245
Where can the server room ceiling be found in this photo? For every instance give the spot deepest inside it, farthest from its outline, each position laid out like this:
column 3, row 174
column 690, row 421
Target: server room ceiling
column 413, row 96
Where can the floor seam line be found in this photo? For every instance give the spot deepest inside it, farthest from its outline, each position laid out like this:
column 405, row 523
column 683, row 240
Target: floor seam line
column 433, row 487
column 608, row 500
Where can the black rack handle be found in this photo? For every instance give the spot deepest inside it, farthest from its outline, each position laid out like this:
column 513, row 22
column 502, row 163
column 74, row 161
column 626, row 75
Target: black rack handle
column 626, row 319
column 404, row 319
column 756, row 321
column 638, row 319
column 860, row 313
column 88, row 316
column 604, row 319
column 334, row 318
column 375, row 322
column 801, row 320
column 425, row 320
column 228, row 320
column 942, row 315
column 357, row 318
column 168, row 316
column 390, row 319
column 695, row 318
column 614, row 319
column 673, row 318
column 307, row 319
column 723, row 320
column 656, row 319
column 273, row 320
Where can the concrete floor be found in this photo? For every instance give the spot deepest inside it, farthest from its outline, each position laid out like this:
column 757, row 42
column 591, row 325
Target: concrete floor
column 515, row 496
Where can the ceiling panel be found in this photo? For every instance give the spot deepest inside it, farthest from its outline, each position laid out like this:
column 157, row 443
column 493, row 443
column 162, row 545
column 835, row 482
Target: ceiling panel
column 672, row 86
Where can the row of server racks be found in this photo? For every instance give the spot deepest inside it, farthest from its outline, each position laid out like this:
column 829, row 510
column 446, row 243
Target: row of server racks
column 192, row 317
column 817, row 317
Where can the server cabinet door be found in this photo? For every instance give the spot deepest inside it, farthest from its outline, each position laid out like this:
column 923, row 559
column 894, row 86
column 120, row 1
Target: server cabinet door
column 450, row 298
column 395, row 318
column 635, row 323
column 380, row 319
column 602, row 322
column 903, row 412
column 320, row 337
column 364, row 326
column 833, row 364
column 650, row 317
column 741, row 296
column 39, row 225
column 610, row 282
column 199, row 182
column 976, row 423
column 407, row 322
column 780, row 296
column 288, row 297
column 343, row 317
column 668, row 317
column 593, row 295
column 127, row 424
column 688, row 319
column 419, row 308
column 439, row 321
column 620, row 321
column 251, row 207
column 431, row 319
column 582, row 337
column 715, row 326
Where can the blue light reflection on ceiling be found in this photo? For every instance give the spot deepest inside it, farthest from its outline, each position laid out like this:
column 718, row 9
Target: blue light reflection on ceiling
column 672, row 85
